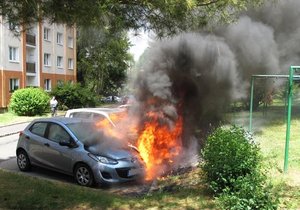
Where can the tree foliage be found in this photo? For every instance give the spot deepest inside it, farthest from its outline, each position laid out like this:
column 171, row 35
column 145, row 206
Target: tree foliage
column 71, row 96
column 162, row 17
column 103, row 59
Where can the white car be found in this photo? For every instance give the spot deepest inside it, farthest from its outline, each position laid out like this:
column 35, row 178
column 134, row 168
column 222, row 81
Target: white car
column 96, row 114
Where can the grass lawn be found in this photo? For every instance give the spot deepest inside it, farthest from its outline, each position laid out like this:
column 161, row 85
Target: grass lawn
column 10, row 118
column 18, row 191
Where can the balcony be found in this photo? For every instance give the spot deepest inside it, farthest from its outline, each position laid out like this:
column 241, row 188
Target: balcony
column 30, row 68
column 30, row 39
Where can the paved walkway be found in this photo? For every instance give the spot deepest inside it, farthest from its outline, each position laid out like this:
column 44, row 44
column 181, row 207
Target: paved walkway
column 7, row 130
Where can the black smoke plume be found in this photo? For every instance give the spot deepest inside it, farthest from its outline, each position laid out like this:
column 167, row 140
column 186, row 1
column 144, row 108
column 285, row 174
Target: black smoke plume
column 197, row 75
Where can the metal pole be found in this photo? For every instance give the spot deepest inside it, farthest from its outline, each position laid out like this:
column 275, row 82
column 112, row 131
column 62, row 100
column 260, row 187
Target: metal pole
column 288, row 127
column 251, row 104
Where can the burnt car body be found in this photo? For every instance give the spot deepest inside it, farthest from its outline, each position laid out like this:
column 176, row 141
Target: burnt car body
column 76, row 147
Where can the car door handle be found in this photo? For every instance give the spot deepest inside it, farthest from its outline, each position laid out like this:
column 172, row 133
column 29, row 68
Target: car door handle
column 47, row 145
column 27, row 137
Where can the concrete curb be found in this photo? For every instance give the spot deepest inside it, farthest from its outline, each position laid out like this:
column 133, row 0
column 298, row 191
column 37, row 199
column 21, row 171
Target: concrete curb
column 9, row 134
column 14, row 132
column 17, row 123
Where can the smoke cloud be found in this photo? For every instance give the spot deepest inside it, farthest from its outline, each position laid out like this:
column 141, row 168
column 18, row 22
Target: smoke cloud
column 202, row 72
column 197, row 75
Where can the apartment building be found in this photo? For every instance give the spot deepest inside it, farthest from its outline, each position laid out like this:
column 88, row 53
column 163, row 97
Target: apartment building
column 43, row 56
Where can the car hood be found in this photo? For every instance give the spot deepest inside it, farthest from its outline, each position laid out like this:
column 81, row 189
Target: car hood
column 114, row 153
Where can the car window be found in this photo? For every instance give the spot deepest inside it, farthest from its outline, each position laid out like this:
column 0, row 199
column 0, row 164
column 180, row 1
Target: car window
column 58, row 133
column 98, row 117
column 84, row 131
column 39, row 128
column 85, row 115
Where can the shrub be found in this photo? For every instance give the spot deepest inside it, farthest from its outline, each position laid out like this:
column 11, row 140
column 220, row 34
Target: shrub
column 249, row 192
column 71, row 96
column 29, row 102
column 228, row 154
column 233, row 169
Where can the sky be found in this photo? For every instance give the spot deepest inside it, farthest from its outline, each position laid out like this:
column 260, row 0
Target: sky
column 139, row 44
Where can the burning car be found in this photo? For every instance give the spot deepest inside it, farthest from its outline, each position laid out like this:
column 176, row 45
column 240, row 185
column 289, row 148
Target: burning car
column 79, row 148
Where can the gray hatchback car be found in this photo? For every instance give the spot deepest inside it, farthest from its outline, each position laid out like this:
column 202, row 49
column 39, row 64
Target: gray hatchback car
column 77, row 147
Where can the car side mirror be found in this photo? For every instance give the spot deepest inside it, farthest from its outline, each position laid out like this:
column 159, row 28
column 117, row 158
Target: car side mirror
column 64, row 143
column 70, row 144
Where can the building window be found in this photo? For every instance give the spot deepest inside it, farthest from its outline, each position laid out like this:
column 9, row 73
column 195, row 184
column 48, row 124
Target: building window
column 59, row 61
column 70, row 63
column 13, row 54
column 47, row 34
column 59, row 38
column 47, row 84
column 47, row 59
column 13, row 85
column 70, row 42
column 13, row 27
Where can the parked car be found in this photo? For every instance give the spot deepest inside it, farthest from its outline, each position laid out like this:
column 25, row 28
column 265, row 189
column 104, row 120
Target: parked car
column 96, row 114
column 111, row 99
column 76, row 147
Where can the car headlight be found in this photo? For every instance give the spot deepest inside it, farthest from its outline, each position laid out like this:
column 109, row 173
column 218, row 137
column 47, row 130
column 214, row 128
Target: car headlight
column 103, row 159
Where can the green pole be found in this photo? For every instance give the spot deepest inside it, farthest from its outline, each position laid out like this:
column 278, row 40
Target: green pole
column 251, row 104
column 288, row 124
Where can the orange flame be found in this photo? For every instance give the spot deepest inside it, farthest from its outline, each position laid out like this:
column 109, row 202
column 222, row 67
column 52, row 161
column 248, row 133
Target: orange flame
column 159, row 145
column 109, row 128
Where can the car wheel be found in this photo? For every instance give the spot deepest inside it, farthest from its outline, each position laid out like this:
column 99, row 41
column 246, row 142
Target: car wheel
column 84, row 175
column 23, row 161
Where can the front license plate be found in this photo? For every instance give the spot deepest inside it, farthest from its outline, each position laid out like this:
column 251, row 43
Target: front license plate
column 133, row 171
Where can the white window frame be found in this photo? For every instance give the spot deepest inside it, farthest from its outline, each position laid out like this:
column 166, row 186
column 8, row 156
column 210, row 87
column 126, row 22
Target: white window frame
column 70, row 42
column 14, row 84
column 13, row 54
column 59, row 61
column 47, row 84
column 47, row 59
column 70, row 63
column 59, row 38
column 47, row 36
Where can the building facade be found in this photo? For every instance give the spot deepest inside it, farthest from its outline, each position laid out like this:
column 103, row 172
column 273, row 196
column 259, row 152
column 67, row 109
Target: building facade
column 43, row 56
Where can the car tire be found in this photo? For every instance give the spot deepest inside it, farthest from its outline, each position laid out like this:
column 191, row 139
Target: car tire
column 84, row 175
column 23, row 161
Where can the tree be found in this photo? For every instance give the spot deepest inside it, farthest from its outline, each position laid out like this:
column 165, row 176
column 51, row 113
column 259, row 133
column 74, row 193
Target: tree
column 103, row 59
column 162, row 17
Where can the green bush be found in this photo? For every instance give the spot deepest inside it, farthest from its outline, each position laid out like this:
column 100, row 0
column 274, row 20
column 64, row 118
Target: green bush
column 71, row 96
column 29, row 102
column 229, row 154
column 249, row 192
column 233, row 168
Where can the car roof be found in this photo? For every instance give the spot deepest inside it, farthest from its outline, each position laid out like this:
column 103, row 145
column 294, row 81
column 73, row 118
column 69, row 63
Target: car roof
column 103, row 111
column 63, row 120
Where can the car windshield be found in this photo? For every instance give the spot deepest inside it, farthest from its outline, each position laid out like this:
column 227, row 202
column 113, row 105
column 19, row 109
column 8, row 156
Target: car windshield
column 83, row 130
column 90, row 135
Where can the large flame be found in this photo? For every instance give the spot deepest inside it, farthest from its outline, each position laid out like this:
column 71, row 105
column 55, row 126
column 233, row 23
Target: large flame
column 111, row 127
column 158, row 142
column 159, row 145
